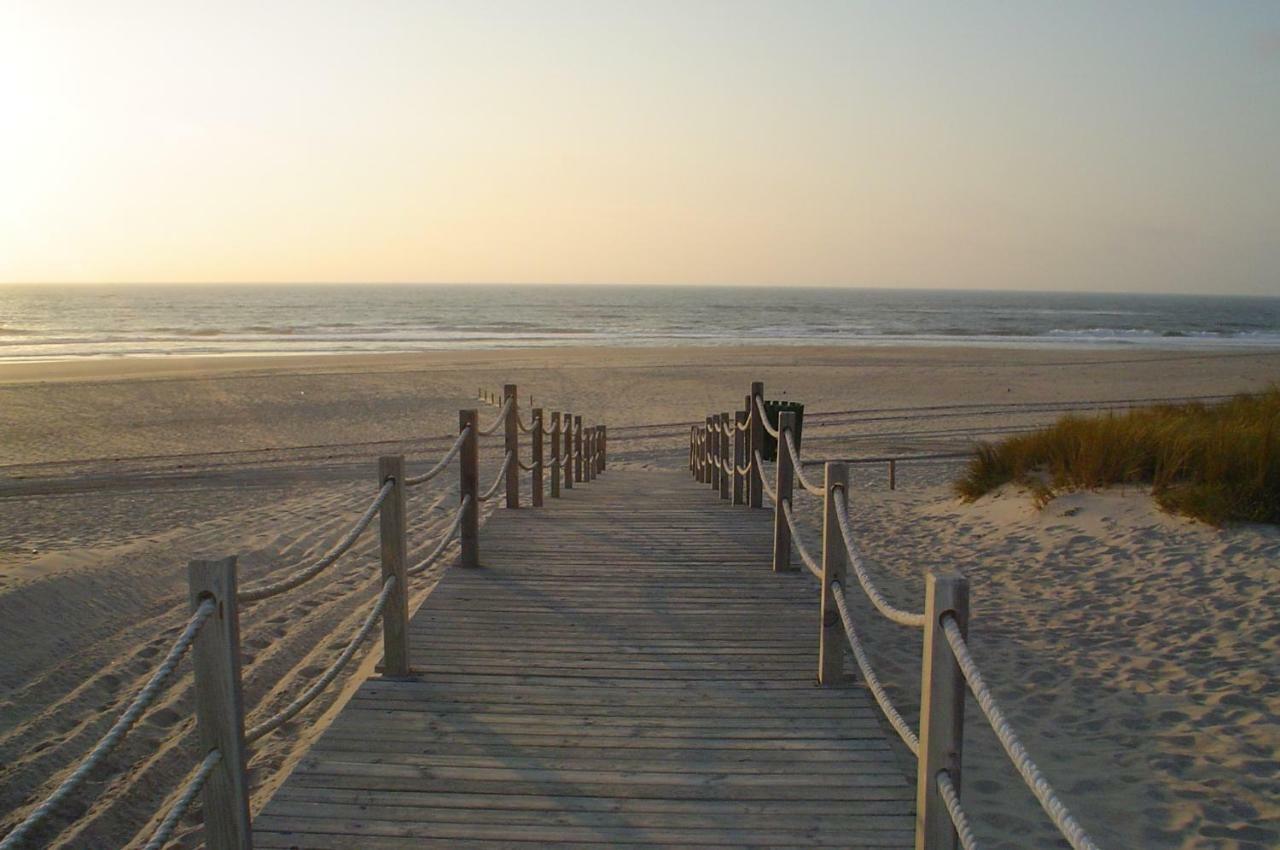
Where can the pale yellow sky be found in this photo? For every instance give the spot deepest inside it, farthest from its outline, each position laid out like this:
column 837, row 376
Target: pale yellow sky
column 1029, row 146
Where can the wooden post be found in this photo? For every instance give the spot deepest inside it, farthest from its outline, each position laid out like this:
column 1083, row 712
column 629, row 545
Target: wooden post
column 893, row 475
column 215, row 656
column 512, row 444
column 586, row 453
column 392, row 537
column 756, row 444
column 705, row 453
column 692, row 439
column 566, row 424
column 593, row 454
column 469, row 485
column 713, row 453
column 577, row 448
column 555, row 455
column 739, row 450
column 832, row 641
column 536, row 413
column 942, row 690
column 604, row 447
column 726, row 478
column 786, row 476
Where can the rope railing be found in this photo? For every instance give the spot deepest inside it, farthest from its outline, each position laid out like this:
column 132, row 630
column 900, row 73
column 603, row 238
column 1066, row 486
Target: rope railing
column 140, row 703
column 213, row 624
column 1040, row 787
column 716, row 450
column 164, row 832
column 304, row 699
column 499, row 420
column 497, row 482
column 815, row 489
column 415, row 480
column 891, row 612
column 955, row 811
column 764, row 417
column 796, row 540
column 891, row 712
column 265, row 591
column 444, row 542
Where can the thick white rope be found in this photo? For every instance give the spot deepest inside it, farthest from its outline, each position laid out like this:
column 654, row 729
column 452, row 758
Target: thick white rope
column 815, row 489
column 798, row 542
column 958, row 818
column 744, row 470
column 264, row 591
column 869, row 674
column 442, row 463
column 497, row 482
column 502, row 417
column 764, row 479
column 444, row 541
column 164, row 831
column 764, row 418
column 897, row 615
column 746, row 423
column 118, row 730
column 530, row 467
column 304, row 699
column 523, row 427
column 1067, row 825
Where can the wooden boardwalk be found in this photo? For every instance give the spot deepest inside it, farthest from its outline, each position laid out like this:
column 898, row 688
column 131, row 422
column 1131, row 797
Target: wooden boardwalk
column 623, row 670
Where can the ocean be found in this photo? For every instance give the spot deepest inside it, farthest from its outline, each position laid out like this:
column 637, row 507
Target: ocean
column 49, row 322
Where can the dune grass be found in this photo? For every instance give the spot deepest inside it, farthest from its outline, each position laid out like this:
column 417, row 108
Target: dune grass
column 1216, row 463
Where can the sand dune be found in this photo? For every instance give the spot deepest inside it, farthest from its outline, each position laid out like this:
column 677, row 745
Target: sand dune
column 1134, row 651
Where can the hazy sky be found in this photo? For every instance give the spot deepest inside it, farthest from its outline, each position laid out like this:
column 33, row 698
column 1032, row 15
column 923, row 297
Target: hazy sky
column 1066, row 145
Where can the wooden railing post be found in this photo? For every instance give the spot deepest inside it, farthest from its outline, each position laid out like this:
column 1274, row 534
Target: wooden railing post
column 739, row 450
column 555, row 455
column 469, row 486
column 713, row 453
column 604, row 447
column 394, row 547
column 512, row 445
column 215, row 656
column 832, row 641
column 587, row 435
column 756, row 444
column 726, row 478
column 893, row 475
column 577, row 448
column 593, row 466
column 942, row 690
column 784, row 485
column 694, row 454
column 566, row 424
column 536, row 414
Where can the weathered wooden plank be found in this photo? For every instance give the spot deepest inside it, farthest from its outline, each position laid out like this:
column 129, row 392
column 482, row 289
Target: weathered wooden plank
column 624, row 669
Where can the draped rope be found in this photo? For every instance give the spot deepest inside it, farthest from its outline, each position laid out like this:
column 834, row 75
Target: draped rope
column 442, row 463
column 815, row 489
column 764, row 479
column 304, row 699
column 164, row 831
column 897, row 615
column 958, row 818
column 444, row 541
column 869, row 674
column 497, row 482
column 1040, row 787
column 798, row 542
column 764, row 418
column 118, row 730
column 264, row 591
column 501, row 417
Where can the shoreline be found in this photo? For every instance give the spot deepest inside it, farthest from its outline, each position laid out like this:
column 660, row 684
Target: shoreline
column 178, row 366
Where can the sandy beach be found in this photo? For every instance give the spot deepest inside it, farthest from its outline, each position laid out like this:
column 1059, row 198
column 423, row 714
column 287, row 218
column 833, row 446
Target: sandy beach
column 1134, row 651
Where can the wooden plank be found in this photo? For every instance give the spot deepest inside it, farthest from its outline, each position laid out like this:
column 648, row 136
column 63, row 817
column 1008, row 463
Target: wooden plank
column 626, row 671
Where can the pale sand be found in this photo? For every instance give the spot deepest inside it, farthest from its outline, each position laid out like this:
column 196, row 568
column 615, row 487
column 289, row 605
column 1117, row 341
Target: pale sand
column 1133, row 651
